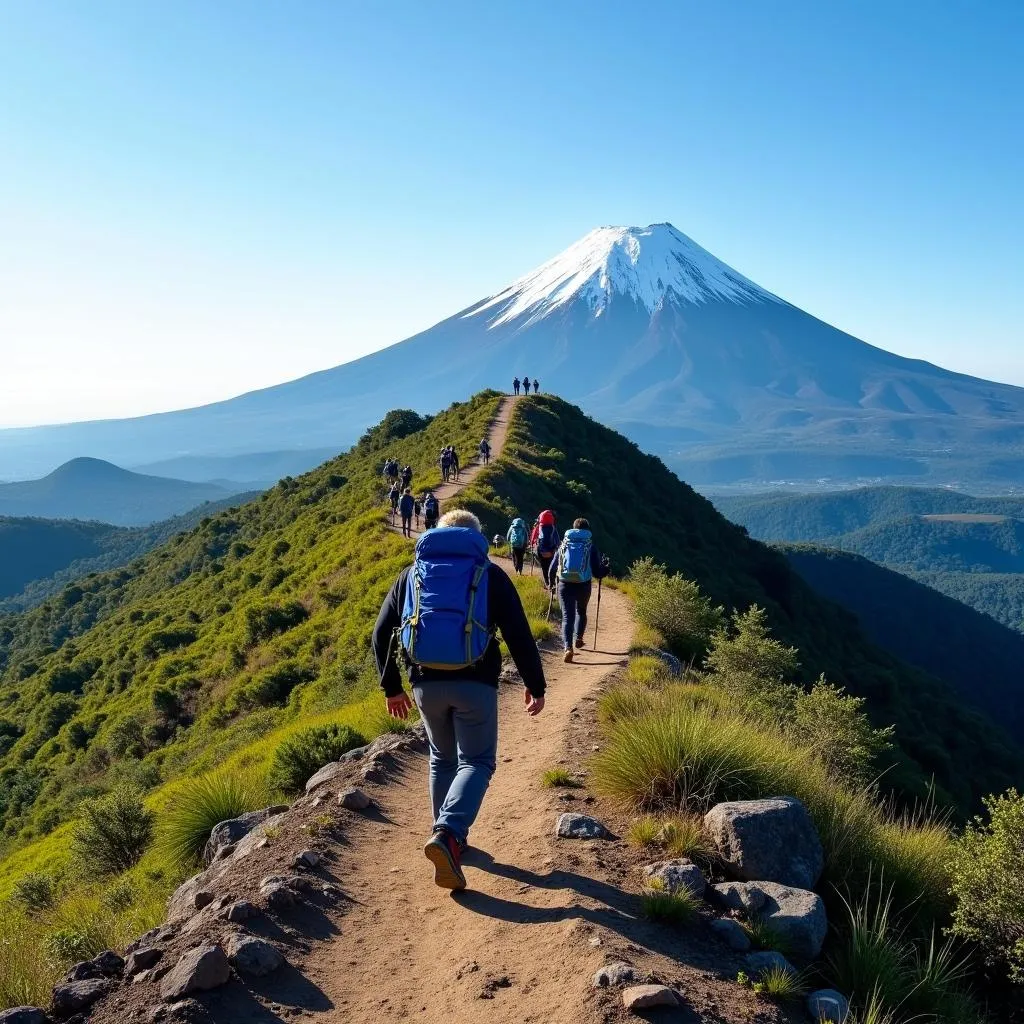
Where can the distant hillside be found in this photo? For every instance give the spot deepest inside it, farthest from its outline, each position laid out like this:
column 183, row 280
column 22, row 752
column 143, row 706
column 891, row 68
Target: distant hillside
column 254, row 468
column 91, row 489
column 979, row 657
column 1000, row 595
column 39, row 556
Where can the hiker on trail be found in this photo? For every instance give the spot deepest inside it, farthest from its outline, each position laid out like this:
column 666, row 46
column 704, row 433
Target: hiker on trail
column 393, row 496
column 406, row 477
column 485, row 451
column 526, row 385
column 406, row 506
column 431, row 511
column 455, row 461
column 446, row 465
column 391, row 471
column 536, row 386
column 417, row 509
column 515, row 385
column 577, row 565
column 454, row 663
column 518, row 537
column 545, row 544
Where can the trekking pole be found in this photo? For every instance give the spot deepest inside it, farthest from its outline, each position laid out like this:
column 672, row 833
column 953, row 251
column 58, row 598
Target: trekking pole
column 551, row 597
column 533, row 561
column 597, row 616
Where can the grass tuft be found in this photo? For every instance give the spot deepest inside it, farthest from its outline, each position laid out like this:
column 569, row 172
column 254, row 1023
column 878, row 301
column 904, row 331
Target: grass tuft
column 555, row 778
column 764, row 935
column 644, row 831
column 780, row 983
column 659, row 904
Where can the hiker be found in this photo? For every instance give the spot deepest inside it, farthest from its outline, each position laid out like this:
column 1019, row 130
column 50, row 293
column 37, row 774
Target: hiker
column 393, row 496
column 446, row 465
column 485, row 451
column 431, row 511
column 536, row 386
column 518, row 537
column 545, row 544
column 526, row 385
column 455, row 461
column 417, row 509
column 577, row 565
column 515, row 385
column 391, row 471
column 457, row 695
column 406, row 477
column 406, row 506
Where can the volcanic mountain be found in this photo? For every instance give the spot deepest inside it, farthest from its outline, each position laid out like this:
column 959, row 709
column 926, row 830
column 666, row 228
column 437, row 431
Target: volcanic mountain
column 650, row 332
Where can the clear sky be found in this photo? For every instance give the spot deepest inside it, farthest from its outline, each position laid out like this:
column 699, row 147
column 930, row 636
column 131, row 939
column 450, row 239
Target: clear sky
column 200, row 197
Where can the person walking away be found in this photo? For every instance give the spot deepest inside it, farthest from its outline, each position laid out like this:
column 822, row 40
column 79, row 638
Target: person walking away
column 446, row 465
column 405, row 507
column 431, row 511
column 547, row 545
column 536, row 386
column 455, row 462
column 441, row 617
column 417, row 510
column 485, row 451
column 393, row 496
column 515, row 385
column 406, row 477
column 526, row 385
column 577, row 565
column 518, row 537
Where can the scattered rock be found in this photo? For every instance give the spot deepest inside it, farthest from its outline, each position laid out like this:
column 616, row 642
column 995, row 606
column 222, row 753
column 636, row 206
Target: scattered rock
column 596, row 941
column 226, row 851
column 229, row 833
column 278, row 895
column 827, row 1006
column 354, row 799
column 758, row 963
column 249, row 955
column 187, row 1011
column 199, row 970
column 580, row 826
column 240, row 911
column 141, row 960
column 679, row 874
column 306, row 859
column 670, row 661
column 493, row 984
column 109, row 963
column 771, row 839
column 327, row 774
column 612, row 975
column 797, row 916
column 73, row 996
column 641, row 997
column 22, row 1015
column 83, row 972
column 745, row 896
column 203, row 898
column 374, row 773
column 732, row 934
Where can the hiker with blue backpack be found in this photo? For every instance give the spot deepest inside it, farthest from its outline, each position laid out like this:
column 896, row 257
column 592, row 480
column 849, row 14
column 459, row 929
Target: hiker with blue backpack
column 577, row 565
column 518, row 537
column 441, row 617
column 545, row 541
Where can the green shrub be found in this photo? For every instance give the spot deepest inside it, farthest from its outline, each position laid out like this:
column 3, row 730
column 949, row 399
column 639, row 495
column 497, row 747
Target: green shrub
column 273, row 685
column 683, row 836
column 35, row 891
column 764, row 935
column 197, row 807
column 68, row 945
column 780, row 983
column 643, row 831
column 556, row 777
column 304, row 753
column 27, row 973
column 659, row 904
column 113, row 832
column 266, row 620
column 987, row 868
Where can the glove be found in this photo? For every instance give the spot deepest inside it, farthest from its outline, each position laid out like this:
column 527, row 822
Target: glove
column 605, row 562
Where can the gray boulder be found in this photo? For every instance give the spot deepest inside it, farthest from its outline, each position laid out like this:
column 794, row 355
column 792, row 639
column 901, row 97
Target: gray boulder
column 243, row 910
column 827, row 1006
column 731, row 932
column 249, row 955
column 797, row 916
column 22, row 1015
column 228, row 833
column 747, row 897
column 773, row 840
column 73, row 996
column 200, row 969
column 580, row 826
column 354, row 799
column 759, row 963
column 612, row 975
column 670, row 661
column 677, row 875
column 141, row 960
column 644, row 997
column 326, row 775
column 306, row 859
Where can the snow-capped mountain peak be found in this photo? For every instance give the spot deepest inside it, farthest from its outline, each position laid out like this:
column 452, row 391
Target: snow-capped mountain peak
column 643, row 264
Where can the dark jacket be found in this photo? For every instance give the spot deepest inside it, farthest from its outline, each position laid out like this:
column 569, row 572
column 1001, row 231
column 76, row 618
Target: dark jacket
column 504, row 613
column 597, row 567
column 406, row 504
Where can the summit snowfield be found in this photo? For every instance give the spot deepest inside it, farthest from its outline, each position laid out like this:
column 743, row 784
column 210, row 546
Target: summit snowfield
column 648, row 332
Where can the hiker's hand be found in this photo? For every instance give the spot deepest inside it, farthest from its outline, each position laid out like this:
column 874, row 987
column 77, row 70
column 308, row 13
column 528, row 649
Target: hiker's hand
column 400, row 706
column 605, row 562
column 534, row 705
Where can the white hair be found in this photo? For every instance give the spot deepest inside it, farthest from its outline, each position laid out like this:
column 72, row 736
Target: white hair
column 460, row 517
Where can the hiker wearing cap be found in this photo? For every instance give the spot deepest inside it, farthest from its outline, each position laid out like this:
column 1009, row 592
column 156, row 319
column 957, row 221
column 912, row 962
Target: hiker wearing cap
column 518, row 537
column 545, row 544
column 406, row 506
column 578, row 563
column 441, row 618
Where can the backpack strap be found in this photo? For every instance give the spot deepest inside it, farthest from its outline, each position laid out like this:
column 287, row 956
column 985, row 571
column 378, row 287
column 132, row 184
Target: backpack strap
column 471, row 619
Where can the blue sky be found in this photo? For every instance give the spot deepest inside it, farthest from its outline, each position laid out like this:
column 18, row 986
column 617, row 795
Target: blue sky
column 200, row 198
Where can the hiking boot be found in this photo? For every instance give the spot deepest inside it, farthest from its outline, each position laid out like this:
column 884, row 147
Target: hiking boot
column 567, row 657
column 579, row 641
column 445, row 853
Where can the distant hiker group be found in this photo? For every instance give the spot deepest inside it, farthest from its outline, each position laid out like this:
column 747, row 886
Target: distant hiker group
column 525, row 385
column 449, row 463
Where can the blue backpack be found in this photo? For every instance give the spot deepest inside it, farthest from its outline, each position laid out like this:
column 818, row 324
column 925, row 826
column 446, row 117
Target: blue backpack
column 574, row 557
column 517, row 535
column 445, row 605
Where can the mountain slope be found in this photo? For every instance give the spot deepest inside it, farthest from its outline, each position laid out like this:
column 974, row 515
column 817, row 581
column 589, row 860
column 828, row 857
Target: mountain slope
column 87, row 488
column 649, row 331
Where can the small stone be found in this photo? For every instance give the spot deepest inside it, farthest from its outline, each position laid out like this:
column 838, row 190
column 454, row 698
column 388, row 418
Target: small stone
column 232, row 831
column 732, row 934
column 199, row 970
column 226, row 851
column 203, row 898
column 83, row 971
column 612, row 975
column 678, row 875
column 580, row 826
column 23, row 1015
column 827, row 1006
column 767, row 960
column 596, row 941
column 354, row 799
column 642, row 997
column 249, row 955
column 110, row 964
column 240, row 911
column 78, row 995
column 278, row 896
column 141, row 960
column 374, row 773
